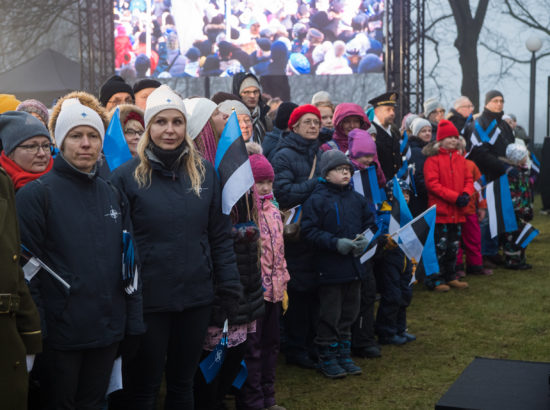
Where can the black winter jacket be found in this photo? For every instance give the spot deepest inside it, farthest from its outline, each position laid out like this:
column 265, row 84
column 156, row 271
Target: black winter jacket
column 419, row 202
column 271, row 141
column 292, row 165
column 251, row 303
column 73, row 222
column 333, row 212
column 486, row 156
column 387, row 148
column 184, row 240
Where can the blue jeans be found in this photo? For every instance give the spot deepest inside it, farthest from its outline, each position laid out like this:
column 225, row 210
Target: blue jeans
column 489, row 246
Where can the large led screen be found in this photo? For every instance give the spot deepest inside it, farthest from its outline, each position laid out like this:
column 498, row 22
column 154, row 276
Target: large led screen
column 197, row 38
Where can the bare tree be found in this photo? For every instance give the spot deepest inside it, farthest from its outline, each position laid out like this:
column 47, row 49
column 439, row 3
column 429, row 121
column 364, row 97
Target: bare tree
column 468, row 29
column 27, row 27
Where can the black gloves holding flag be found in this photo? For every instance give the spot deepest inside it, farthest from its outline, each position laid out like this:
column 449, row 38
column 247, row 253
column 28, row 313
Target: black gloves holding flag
column 226, row 303
column 462, row 200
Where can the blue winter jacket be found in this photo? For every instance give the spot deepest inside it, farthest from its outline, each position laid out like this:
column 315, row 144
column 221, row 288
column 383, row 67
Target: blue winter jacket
column 73, row 222
column 333, row 212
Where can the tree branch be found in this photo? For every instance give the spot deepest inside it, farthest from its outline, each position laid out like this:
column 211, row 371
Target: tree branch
column 437, row 20
column 528, row 20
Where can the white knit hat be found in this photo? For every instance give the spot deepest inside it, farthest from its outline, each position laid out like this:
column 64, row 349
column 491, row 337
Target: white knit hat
column 227, row 107
column 199, row 111
column 73, row 114
column 419, row 123
column 516, row 152
column 163, row 98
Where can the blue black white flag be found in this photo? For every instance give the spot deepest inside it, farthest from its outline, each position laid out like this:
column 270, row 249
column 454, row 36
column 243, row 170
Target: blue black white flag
column 535, row 164
column 526, row 235
column 500, row 207
column 241, row 377
column 232, row 164
column 365, row 182
column 370, row 250
column 115, row 148
column 212, row 364
column 129, row 267
column 405, row 148
column 400, row 213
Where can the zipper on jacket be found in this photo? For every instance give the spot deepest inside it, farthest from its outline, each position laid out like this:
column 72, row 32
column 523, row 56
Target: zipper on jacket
column 337, row 213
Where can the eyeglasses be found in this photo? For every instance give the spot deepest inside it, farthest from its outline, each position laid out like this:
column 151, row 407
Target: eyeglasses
column 342, row 169
column 34, row 148
column 133, row 133
column 467, row 106
column 309, row 123
column 440, row 111
column 118, row 101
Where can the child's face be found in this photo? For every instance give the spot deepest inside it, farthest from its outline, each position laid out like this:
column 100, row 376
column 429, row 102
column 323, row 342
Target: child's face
column 449, row 143
column 406, row 195
column 264, row 187
column 365, row 160
column 340, row 175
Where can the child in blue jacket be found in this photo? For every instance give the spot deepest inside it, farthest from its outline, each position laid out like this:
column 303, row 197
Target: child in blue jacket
column 392, row 270
column 334, row 219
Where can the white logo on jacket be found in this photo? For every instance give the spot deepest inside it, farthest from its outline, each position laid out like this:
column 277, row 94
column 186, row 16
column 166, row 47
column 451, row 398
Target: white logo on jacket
column 113, row 213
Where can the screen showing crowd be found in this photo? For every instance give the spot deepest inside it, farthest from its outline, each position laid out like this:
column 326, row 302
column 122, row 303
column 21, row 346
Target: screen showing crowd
column 198, row 38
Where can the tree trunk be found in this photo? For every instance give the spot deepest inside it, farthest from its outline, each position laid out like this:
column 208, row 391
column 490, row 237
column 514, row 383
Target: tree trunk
column 468, row 28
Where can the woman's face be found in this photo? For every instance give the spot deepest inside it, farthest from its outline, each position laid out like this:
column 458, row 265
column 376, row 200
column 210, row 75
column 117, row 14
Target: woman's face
column 219, row 119
column 168, row 129
column 326, row 117
column 245, row 123
column 307, row 126
column 32, row 155
column 133, row 130
column 350, row 123
column 81, row 147
column 425, row 134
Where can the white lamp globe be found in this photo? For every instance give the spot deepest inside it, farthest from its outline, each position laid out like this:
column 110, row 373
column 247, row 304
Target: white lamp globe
column 533, row 44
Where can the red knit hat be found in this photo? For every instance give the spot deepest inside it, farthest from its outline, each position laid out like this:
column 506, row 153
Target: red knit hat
column 300, row 111
column 261, row 168
column 446, row 129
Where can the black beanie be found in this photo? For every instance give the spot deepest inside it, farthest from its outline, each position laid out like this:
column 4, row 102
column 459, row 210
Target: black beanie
column 492, row 94
column 146, row 83
column 283, row 114
column 113, row 85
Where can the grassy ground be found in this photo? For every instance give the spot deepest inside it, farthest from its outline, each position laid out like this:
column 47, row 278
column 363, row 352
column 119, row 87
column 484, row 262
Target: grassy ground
column 503, row 316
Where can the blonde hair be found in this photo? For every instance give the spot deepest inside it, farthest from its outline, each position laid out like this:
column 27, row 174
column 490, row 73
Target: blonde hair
column 193, row 162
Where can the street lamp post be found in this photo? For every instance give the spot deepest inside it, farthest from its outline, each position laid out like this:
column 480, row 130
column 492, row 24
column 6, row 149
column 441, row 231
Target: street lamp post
column 533, row 44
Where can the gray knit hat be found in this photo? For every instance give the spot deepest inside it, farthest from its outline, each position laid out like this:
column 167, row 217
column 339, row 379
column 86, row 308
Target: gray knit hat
column 227, row 107
column 418, row 124
column 18, row 126
column 332, row 159
column 492, row 94
column 430, row 105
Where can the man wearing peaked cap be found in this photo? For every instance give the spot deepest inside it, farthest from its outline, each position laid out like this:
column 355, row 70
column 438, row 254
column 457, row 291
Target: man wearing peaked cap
column 387, row 134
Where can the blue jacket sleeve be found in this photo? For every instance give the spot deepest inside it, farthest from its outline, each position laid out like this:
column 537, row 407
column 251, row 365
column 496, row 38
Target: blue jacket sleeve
column 288, row 192
column 310, row 226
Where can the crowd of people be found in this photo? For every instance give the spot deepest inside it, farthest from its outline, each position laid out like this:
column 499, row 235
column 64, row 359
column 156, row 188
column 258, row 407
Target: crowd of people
column 282, row 270
column 304, row 37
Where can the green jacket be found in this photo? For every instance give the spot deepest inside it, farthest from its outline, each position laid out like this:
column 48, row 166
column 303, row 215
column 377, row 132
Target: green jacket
column 20, row 333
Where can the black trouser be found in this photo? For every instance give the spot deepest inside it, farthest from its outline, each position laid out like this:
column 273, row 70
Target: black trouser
column 363, row 328
column 300, row 322
column 173, row 342
column 338, row 310
column 76, row 379
column 211, row 396
column 447, row 239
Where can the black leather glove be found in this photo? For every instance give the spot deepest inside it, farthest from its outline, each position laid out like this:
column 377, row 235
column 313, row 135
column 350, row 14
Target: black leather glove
column 129, row 346
column 512, row 171
column 226, row 304
column 462, row 200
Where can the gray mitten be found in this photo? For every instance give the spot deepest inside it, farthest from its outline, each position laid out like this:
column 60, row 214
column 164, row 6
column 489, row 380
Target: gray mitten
column 345, row 245
column 360, row 245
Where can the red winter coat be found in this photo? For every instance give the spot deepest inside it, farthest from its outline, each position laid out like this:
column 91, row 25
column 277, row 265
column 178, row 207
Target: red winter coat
column 446, row 177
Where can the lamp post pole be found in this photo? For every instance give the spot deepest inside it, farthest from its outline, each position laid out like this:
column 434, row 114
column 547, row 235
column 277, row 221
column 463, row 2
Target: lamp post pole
column 533, row 44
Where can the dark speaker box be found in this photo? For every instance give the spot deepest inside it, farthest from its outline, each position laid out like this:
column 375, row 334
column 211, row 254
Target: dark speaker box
column 494, row 384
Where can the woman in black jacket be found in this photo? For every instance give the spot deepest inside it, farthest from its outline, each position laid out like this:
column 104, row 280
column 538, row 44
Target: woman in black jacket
column 293, row 164
column 185, row 245
column 73, row 221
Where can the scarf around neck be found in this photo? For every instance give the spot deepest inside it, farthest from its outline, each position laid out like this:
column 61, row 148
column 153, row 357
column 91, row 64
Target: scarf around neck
column 19, row 176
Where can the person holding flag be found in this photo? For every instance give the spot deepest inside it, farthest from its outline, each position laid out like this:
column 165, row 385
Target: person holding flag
column 449, row 186
column 184, row 241
column 393, row 271
column 514, row 254
column 335, row 217
column 73, row 224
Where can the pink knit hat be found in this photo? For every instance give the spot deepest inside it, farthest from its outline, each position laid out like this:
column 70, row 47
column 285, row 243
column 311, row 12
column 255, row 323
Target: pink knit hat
column 261, row 168
column 360, row 143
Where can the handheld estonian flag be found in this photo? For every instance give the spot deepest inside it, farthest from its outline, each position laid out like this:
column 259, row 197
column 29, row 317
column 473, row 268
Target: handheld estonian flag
column 129, row 267
column 212, row 364
column 370, row 250
column 526, row 235
column 500, row 207
column 241, row 377
column 115, row 147
column 232, row 164
column 400, row 213
column 365, row 182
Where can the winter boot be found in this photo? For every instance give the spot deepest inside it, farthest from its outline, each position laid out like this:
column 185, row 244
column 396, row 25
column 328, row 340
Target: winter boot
column 328, row 362
column 344, row 359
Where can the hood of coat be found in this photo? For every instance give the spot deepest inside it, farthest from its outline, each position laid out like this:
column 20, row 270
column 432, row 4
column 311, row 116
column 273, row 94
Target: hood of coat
column 431, row 149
